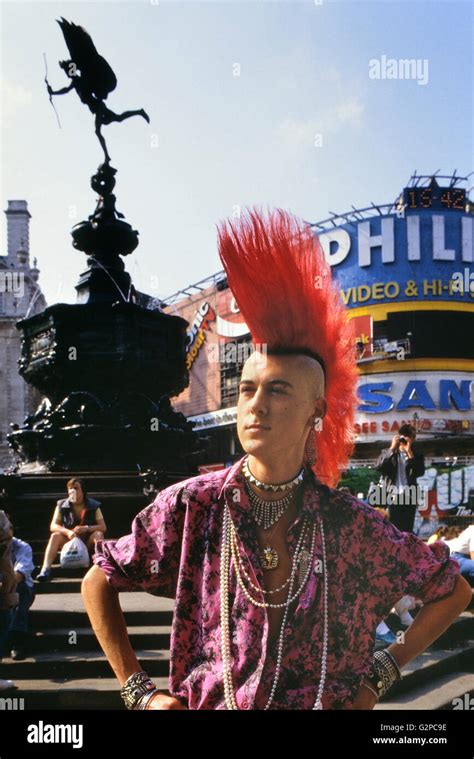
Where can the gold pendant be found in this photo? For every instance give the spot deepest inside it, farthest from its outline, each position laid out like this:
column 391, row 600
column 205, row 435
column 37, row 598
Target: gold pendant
column 269, row 558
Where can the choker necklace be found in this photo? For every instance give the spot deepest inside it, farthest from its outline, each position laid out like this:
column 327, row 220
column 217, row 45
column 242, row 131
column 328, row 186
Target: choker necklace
column 284, row 486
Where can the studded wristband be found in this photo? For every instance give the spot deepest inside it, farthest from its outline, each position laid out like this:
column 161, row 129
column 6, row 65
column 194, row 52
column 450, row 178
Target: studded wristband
column 383, row 672
column 138, row 685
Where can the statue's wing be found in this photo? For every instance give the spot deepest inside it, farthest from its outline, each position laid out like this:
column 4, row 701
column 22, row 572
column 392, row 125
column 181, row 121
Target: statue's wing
column 96, row 73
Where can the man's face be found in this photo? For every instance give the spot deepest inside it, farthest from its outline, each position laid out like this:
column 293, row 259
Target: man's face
column 75, row 493
column 282, row 395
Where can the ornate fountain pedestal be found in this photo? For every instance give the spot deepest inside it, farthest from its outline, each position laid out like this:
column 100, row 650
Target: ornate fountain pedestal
column 106, row 367
column 106, row 371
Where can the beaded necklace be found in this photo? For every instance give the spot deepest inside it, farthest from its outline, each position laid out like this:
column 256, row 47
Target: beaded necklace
column 230, row 548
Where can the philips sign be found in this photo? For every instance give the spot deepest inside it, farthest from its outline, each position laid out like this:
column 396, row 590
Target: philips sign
column 415, row 256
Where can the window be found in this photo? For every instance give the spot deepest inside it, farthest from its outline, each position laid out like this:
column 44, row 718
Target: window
column 232, row 356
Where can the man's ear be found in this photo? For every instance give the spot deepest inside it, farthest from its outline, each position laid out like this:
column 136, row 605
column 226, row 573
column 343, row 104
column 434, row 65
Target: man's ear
column 320, row 408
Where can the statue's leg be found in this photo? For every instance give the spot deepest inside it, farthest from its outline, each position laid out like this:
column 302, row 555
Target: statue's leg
column 98, row 124
column 128, row 114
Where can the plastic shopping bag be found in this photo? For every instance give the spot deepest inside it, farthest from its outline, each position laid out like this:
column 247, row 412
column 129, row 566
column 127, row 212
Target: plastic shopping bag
column 74, row 554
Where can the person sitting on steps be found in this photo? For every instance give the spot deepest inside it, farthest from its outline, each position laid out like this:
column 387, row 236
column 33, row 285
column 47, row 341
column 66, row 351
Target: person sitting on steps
column 78, row 515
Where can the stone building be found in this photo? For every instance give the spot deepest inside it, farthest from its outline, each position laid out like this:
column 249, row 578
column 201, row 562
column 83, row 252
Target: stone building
column 20, row 296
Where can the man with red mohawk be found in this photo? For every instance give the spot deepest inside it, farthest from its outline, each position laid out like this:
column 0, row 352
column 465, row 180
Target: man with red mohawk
column 279, row 579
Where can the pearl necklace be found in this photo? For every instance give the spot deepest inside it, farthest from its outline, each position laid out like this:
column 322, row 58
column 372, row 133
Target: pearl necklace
column 228, row 533
column 290, row 599
column 284, row 486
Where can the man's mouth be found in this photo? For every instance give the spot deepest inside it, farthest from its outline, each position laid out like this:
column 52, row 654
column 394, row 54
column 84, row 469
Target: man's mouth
column 257, row 427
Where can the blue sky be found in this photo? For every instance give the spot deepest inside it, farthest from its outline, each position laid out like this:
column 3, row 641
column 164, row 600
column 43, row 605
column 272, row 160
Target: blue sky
column 226, row 140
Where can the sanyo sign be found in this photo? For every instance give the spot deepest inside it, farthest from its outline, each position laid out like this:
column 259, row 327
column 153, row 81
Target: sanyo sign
column 441, row 403
column 429, row 392
column 412, row 251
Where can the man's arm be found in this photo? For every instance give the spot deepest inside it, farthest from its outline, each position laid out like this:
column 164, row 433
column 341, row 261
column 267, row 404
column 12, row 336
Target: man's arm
column 90, row 528
column 416, row 462
column 148, row 559
column 402, row 564
column 433, row 619
column 24, row 564
column 102, row 604
column 431, row 622
column 56, row 525
column 383, row 457
column 384, row 463
column 99, row 523
column 105, row 613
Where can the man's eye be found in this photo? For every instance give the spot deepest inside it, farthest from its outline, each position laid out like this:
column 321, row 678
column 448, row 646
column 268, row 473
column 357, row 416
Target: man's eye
column 277, row 391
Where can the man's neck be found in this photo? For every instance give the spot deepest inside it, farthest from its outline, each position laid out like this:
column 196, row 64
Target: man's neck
column 275, row 472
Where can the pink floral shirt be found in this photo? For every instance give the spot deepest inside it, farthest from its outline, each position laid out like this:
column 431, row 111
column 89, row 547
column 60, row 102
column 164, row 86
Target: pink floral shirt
column 174, row 551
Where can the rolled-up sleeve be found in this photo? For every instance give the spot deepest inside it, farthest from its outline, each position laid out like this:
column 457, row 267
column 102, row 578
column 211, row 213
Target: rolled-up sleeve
column 148, row 559
column 24, row 561
column 406, row 565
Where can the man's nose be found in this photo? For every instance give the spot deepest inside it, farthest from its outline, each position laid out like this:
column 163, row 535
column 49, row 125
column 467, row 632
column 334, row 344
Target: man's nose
column 259, row 404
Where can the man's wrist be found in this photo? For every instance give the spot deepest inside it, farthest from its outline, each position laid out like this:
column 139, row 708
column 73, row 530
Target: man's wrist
column 138, row 685
column 143, row 701
column 383, row 673
column 367, row 684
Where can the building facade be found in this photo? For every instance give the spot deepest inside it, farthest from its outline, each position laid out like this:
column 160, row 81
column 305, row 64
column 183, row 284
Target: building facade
column 20, row 295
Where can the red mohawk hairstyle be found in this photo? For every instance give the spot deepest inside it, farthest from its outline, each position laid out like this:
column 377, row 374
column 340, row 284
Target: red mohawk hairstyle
column 282, row 283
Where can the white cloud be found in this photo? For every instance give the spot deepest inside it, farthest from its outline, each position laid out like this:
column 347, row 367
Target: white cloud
column 14, row 97
column 297, row 133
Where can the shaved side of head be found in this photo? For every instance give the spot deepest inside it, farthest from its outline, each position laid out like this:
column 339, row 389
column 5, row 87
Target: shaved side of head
column 313, row 373
column 309, row 368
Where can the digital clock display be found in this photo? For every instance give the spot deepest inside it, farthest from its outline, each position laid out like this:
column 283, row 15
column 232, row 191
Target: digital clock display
column 434, row 197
